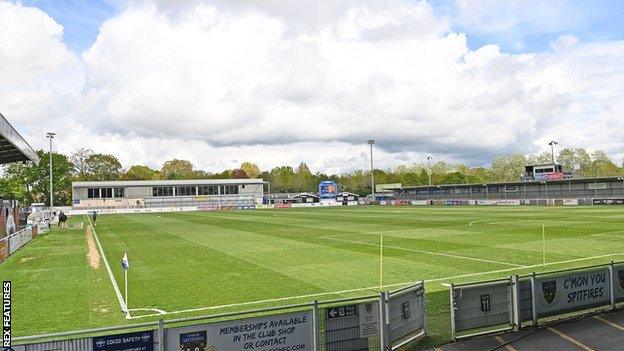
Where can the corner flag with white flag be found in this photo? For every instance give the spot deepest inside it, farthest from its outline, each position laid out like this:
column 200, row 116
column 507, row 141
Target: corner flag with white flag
column 124, row 262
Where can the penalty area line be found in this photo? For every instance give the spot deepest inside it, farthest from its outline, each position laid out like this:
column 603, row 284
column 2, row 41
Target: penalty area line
column 122, row 304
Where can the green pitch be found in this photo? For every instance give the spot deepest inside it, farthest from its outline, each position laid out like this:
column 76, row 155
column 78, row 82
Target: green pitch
column 198, row 263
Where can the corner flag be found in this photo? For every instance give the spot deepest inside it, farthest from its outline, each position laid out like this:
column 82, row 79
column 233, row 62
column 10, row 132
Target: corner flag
column 124, row 262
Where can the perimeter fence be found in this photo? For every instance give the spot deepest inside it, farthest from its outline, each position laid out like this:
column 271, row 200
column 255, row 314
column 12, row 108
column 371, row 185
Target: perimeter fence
column 377, row 322
column 532, row 300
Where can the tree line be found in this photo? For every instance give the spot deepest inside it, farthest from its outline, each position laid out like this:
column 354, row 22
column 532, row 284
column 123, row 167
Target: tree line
column 29, row 182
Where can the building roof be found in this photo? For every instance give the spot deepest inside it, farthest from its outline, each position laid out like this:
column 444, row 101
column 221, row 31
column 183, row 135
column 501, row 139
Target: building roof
column 306, row 195
column 346, row 193
column 565, row 181
column 130, row 183
column 13, row 147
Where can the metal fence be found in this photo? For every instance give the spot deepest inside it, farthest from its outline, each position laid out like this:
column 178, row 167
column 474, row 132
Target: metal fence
column 15, row 241
column 378, row 322
column 518, row 301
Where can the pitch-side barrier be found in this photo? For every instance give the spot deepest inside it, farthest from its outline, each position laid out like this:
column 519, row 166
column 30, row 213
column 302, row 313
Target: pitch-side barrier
column 532, row 300
column 15, row 241
column 378, row 322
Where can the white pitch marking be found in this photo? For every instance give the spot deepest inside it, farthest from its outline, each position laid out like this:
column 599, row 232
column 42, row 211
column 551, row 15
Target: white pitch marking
column 122, row 304
column 429, row 252
column 478, row 220
column 611, row 234
column 273, row 300
column 377, row 287
column 148, row 309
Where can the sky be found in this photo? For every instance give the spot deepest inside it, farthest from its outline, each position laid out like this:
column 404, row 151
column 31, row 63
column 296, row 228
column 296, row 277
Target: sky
column 278, row 82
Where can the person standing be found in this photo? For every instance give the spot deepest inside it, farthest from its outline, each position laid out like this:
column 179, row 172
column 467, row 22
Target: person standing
column 63, row 220
column 94, row 218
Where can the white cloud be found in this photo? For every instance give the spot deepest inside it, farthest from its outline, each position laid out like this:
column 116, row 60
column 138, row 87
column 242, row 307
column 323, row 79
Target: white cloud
column 225, row 83
column 36, row 68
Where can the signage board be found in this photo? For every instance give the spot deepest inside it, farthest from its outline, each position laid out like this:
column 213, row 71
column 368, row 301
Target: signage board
column 572, row 291
column 387, row 188
column 341, row 311
column 369, row 319
column 138, row 341
column 289, row 331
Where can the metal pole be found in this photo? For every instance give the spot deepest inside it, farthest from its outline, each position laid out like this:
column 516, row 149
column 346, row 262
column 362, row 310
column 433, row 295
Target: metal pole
column 371, row 142
column 50, row 136
column 161, row 335
column 552, row 152
column 533, row 300
column 429, row 168
column 516, row 302
column 126, row 288
column 452, row 289
column 611, row 287
column 315, row 326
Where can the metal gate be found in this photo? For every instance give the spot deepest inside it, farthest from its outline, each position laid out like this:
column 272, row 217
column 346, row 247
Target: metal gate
column 406, row 314
column 481, row 308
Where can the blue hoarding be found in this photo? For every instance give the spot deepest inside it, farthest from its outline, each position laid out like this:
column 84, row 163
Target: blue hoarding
column 139, row 341
column 328, row 189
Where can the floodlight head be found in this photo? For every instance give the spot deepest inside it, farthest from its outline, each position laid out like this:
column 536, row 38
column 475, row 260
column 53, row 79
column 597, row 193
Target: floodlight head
column 553, row 142
column 370, row 141
column 50, row 135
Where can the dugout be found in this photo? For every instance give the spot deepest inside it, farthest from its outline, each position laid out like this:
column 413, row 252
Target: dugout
column 305, row 198
column 13, row 148
column 347, row 198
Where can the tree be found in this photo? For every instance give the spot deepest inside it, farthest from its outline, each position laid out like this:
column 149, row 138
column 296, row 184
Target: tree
column 545, row 158
column 250, row 169
column 13, row 189
column 103, row 167
column 140, row 172
column 455, row 178
column 239, row 174
column 601, row 165
column 283, row 179
column 507, row 168
column 33, row 179
column 177, row 169
column 79, row 160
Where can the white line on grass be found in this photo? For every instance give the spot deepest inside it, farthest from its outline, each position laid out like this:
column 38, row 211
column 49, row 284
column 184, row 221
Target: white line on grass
column 613, row 234
column 371, row 288
column 478, row 220
column 427, row 252
column 122, row 304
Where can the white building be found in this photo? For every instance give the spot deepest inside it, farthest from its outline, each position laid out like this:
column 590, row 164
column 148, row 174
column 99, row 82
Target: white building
column 200, row 193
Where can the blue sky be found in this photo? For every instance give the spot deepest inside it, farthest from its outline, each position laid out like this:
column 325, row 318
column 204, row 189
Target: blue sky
column 80, row 19
column 526, row 25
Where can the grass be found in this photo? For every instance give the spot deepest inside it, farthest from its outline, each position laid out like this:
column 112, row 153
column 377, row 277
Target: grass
column 190, row 260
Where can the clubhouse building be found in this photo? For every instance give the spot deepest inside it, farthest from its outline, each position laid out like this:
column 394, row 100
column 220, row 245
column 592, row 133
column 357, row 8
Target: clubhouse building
column 199, row 193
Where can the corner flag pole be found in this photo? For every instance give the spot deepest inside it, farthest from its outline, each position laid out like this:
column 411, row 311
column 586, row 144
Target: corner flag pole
column 126, row 284
column 380, row 262
column 544, row 246
column 125, row 265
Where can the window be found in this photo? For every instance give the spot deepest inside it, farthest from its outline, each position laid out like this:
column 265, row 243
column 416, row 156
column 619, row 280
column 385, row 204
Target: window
column 185, row 190
column 229, row 189
column 106, row 192
column 93, row 193
column 208, row 190
column 119, row 192
column 162, row 191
